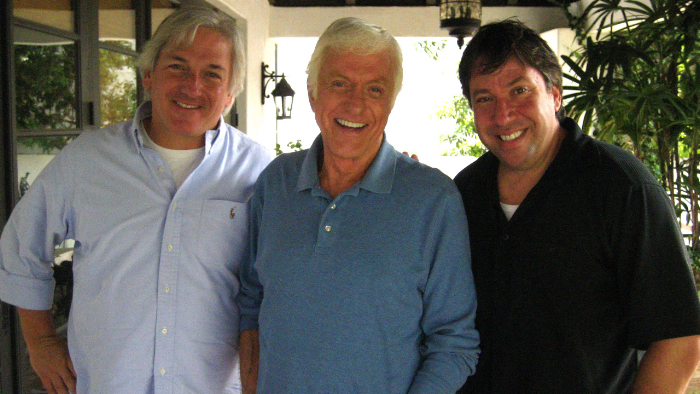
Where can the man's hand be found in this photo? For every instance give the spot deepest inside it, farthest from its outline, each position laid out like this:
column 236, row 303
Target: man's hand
column 249, row 351
column 48, row 354
column 411, row 155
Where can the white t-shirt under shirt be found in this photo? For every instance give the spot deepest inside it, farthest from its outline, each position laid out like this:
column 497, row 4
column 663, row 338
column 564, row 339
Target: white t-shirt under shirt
column 509, row 209
column 180, row 162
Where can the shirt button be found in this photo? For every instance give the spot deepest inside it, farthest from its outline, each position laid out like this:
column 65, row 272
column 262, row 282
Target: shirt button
column 174, row 206
column 164, row 331
column 328, row 229
column 167, row 289
column 162, row 371
column 333, row 206
column 170, row 248
column 161, row 169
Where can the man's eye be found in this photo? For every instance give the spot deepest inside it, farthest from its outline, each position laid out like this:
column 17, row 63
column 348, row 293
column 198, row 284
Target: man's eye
column 213, row 75
column 482, row 99
column 176, row 67
column 520, row 90
column 338, row 84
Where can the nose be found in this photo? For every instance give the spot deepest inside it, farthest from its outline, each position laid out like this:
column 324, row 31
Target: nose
column 192, row 84
column 355, row 101
column 503, row 112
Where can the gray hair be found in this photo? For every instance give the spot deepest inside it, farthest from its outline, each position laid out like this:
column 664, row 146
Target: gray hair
column 359, row 37
column 180, row 27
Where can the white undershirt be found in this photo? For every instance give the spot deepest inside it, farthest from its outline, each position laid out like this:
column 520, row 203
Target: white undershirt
column 180, row 162
column 509, row 210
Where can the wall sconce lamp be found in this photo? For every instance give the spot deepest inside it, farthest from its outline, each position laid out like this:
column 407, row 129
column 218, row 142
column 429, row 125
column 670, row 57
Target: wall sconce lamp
column 460, row 17
column 282, row 94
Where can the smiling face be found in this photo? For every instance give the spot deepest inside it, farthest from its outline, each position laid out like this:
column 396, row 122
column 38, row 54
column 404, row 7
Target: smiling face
column 515, row 116
column 352, row 105
column 189, row 88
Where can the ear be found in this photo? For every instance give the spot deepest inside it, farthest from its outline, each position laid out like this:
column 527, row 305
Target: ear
column 556, row 96
column 229, row 100
column 312, row 100
column 147, row 81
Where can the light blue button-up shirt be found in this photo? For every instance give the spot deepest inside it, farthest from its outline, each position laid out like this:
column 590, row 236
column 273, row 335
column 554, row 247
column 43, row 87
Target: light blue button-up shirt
column 155, row 267
column 368, row 292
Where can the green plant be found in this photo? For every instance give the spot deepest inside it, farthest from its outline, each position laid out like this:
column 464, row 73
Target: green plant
column 464, row 139
column 635, row 83
column 294, row 146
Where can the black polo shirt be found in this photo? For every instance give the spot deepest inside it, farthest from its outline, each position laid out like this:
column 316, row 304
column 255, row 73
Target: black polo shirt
column 591, row 266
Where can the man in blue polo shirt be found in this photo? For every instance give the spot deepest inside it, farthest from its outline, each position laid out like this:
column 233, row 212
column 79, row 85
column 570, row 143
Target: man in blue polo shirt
column 358, row 274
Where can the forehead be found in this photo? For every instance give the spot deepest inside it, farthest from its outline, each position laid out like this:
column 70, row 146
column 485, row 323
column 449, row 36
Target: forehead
column 206, row 43
column 375, row 66
column 510, row 72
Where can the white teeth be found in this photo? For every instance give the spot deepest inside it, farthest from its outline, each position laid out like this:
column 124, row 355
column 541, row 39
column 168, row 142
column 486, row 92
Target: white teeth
column 183, row 105
column 347, row 123
column 510, row 137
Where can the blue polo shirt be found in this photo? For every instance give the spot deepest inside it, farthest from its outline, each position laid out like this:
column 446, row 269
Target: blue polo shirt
column 370, row 292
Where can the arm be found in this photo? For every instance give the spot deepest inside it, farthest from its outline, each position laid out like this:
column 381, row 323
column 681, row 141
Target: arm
column 249, row 351
column 451, row 346
column 48, row 354
column 668, row 365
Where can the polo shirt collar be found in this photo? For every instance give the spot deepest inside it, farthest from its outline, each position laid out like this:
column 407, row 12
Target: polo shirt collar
column 145, row 110
column 379, row 177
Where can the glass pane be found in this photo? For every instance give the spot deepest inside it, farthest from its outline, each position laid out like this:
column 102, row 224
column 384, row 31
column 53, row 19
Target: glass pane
column 56, row 13
column 45, row 81
column 33, row 154
column 118, row 23
column 117, row 87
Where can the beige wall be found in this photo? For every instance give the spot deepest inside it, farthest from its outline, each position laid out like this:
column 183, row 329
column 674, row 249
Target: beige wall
column 254, row 19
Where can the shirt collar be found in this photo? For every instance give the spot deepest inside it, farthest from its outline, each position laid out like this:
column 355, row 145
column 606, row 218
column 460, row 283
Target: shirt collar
column 145, row 110
column 378, row 179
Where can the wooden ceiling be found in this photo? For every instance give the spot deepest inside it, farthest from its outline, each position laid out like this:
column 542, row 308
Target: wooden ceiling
column 403, row 3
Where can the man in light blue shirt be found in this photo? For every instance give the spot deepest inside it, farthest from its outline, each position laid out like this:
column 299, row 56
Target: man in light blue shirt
column 357, row 278
column 158, row 210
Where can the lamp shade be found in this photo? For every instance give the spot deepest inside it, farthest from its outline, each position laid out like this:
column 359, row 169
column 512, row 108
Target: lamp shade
column 460, row 18
column 283, row 94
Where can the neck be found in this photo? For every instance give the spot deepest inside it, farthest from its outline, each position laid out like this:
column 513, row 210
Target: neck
column 338, row 175
column 169, row 140
column 515, row 184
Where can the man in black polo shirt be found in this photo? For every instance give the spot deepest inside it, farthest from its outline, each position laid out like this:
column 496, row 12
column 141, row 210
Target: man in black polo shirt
column 576, row 251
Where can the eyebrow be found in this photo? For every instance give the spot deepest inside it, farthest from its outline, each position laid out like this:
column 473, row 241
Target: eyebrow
column 510, row 84
column 183, row 60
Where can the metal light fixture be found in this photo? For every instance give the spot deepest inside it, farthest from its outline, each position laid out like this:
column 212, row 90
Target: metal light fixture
column 460, row 17
column 283, row 94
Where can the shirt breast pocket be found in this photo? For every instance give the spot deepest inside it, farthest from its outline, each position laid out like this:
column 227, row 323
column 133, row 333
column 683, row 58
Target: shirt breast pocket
column 223, row 232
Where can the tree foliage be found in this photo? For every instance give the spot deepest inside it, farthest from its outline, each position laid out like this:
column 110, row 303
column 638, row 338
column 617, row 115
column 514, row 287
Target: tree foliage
column 118, row 100
column 46, row 97
column 464, row 140
column 635, row 82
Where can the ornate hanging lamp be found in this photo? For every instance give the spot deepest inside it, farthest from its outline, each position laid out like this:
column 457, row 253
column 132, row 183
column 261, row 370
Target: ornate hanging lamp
column 283, row 93
column 460, row 17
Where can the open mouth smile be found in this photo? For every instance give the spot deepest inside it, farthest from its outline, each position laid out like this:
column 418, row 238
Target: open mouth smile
column 187, row 106
column 511, row 137
column 347, row 123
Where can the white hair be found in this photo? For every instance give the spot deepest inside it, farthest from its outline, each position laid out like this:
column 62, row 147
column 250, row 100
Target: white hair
column 356, row 36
